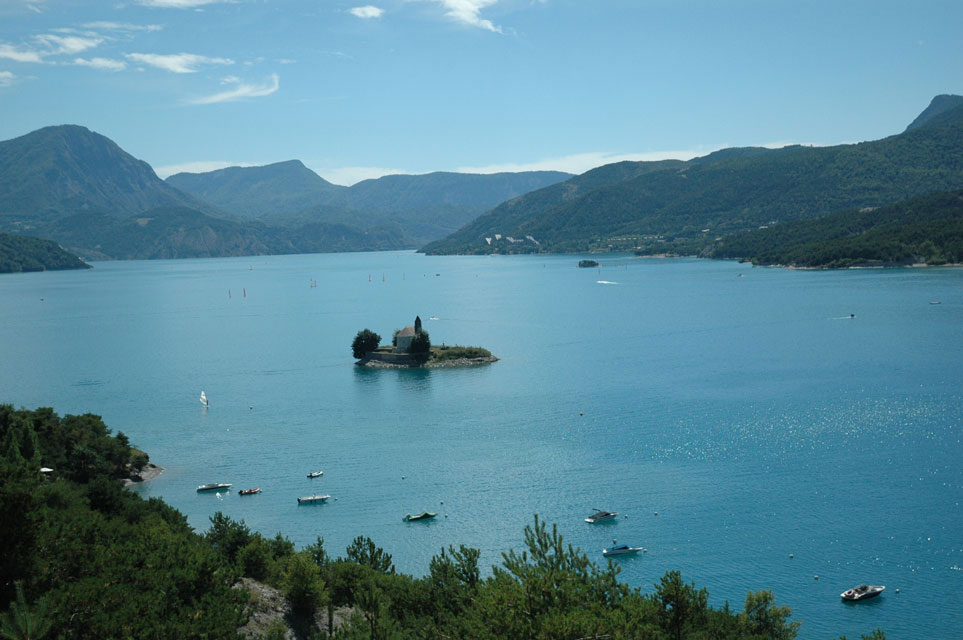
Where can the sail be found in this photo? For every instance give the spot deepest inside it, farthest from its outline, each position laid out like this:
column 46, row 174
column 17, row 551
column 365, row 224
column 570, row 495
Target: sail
column 204, row 399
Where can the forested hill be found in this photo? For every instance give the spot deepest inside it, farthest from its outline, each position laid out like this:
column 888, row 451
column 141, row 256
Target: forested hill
column 26, row 253
column 251, row 192
column 923, row 230
column 84, row 558
column 726, row 192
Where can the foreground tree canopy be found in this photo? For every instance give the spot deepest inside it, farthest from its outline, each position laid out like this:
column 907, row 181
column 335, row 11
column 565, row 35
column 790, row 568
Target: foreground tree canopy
column 84, row 558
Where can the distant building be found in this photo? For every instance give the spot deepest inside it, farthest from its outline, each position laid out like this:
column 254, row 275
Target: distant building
column 404, row 337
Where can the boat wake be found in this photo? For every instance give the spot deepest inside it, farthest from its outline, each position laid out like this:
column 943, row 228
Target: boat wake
column 606, row 282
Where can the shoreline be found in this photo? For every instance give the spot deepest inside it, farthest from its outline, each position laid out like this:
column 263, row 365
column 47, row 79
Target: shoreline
column 148, row 473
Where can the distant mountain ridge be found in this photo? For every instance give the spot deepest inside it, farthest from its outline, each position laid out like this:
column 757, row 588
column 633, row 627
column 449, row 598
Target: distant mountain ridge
column 938, row 106
column 426, row 206
column 665, row 209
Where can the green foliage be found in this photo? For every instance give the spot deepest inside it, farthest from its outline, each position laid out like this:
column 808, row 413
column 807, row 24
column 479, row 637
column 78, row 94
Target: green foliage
column 363, row 551
column 763, row 620
column 364, row 342
column 928, row 229
column 420, row 344
column 303, row 585
column 442, row 353
column 227, row 537
column 318, row 553
column 682, row 607
column 255, row 560
column 23, row 622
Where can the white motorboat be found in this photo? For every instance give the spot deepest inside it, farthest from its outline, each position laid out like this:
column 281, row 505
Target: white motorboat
column 424, row 515
column 315, row 474
column 312, row 499
column 214, row 486
column 621, row 550
column 602, row 516
column 862, row 592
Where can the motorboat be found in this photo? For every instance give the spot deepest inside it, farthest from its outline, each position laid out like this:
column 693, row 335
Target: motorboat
column 862, row 592
column 602, row 516
column 424, row 515
column 621, row 550
column 249, row 492
column 312, row 499
column 315, row 474
column 214, row 486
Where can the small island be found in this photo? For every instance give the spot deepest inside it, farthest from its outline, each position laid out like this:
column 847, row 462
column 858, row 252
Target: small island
column 411, row 348
column 587, row 264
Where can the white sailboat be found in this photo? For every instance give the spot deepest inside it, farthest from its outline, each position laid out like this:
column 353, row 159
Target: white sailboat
column 204, row 400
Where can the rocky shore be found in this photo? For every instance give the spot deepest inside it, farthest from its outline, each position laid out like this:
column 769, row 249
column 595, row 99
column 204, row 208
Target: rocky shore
column 149, row 472
column 443, row 364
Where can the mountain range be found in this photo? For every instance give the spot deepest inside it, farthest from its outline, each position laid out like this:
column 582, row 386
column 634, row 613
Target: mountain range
column 79, row 188
column 679, row 207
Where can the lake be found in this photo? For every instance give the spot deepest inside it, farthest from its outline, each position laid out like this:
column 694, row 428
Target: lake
column 755, row 428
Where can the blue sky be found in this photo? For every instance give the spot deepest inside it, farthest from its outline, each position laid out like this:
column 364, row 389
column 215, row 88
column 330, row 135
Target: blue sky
column 356, row 90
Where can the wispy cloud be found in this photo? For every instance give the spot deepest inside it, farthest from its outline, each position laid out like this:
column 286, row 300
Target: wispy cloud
column 6, row 78
column 348, row 176
column 69, row 45
column 10, row 52
column 582, row 162
column 104, row 64
column 180, row 4
column 176, row 62
column 242, row 91
column 48, row 44
column 121, row 26
column 201, row 166
column 469, row 12
column 367, row 11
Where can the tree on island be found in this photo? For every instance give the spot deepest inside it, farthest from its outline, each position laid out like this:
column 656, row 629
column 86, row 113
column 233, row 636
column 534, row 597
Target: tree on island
column 364, row 342
column 420, row 344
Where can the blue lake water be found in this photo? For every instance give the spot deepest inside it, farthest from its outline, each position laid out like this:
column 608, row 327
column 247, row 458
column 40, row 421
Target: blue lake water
column 751, row 412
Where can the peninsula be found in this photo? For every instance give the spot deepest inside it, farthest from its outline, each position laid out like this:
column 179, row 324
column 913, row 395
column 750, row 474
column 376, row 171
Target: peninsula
column 411, row 348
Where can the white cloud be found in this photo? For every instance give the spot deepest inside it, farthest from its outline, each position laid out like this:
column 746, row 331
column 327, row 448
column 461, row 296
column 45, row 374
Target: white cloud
column 467, row 12
column 6, row 78
column 242, row 91
column 104, row 64
column 178, row 62
column 200, row 166
column 180, row 4
column 121, row 26
column 69, row 45
column 582, row 162
column 366, row 11
column 10, row 52
column 348, row 176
